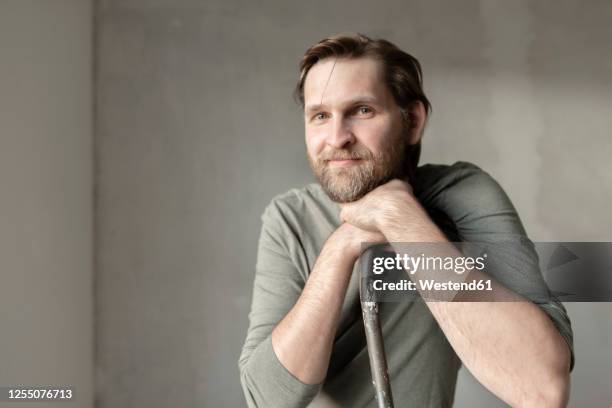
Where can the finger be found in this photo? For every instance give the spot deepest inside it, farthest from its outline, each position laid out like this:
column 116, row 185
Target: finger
column 346, row 210
column 408, row 183
column 344, row 214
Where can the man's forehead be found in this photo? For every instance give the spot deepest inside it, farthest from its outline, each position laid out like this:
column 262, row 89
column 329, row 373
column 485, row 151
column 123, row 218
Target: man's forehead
column 351, row 100
column 339, row 79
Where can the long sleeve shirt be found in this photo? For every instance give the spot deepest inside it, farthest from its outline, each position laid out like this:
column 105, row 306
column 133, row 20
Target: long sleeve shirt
column 466, row 202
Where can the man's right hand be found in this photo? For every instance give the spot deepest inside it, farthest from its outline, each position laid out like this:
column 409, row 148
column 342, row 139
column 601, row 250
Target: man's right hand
column 348, row 239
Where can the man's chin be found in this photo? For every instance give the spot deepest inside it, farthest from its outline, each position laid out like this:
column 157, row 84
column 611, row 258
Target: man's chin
column 344, row 195
column 343, row 184
column 342, row 198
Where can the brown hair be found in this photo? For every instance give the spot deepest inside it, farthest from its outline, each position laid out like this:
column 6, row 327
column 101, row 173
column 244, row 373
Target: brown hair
column 402, row 73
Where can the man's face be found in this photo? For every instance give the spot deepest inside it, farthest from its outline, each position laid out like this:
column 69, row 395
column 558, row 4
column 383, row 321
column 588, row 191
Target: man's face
column 355, row 133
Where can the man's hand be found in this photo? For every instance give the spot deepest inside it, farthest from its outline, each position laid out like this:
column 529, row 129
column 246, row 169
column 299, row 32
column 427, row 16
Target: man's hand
column 372, row 210
column 350, row 238
column 389, row 207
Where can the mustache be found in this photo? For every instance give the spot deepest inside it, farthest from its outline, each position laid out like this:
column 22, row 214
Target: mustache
column 344, row 154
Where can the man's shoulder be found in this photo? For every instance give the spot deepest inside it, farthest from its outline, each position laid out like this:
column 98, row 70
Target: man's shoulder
column 461, row 175
column 300, row 200
column 459, row 183
column 298, row 195
column 459, row 168
column 306, row 212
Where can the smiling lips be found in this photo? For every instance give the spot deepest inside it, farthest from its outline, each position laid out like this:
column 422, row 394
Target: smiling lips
column 343, row 162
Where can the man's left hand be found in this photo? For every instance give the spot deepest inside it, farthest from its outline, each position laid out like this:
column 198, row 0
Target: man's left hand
column 382, row 206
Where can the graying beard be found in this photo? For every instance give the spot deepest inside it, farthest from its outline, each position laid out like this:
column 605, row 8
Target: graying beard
column 351, row 190
column 355, row 187
column 366, row 179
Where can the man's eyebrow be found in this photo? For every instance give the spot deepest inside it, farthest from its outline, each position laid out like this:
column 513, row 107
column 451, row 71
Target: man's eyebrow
column 311, row 108
column 351, row 102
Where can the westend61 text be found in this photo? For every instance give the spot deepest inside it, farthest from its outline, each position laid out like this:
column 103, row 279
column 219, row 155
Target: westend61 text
column 430, row 284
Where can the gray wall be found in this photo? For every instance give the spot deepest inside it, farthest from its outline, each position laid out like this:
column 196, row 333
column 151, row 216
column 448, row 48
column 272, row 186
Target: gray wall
column 196, row 132
column 46, row 202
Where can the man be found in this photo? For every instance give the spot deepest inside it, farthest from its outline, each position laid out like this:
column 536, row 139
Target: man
column 364, row 114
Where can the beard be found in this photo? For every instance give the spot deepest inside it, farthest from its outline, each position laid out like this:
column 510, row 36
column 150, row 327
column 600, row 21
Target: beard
column 347, row 184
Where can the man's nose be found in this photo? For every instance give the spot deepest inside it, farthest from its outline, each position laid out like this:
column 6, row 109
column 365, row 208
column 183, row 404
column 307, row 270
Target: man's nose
column 341, row 134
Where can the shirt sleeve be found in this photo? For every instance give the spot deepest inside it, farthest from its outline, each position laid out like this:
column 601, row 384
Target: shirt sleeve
column 277, row 286
column 483, row 213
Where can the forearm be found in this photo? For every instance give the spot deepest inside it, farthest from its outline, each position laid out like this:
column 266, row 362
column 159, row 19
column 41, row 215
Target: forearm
column 511, row 346
column 303, row 339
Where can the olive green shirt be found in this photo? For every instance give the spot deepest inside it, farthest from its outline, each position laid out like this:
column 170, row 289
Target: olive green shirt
column 422, row 364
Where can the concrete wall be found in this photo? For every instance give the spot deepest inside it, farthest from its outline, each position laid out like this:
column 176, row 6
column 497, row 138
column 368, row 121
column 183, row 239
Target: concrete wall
column 46, row 203
column 197, row 131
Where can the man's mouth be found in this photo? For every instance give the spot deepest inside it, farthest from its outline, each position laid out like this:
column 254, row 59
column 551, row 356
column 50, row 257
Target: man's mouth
column 343, row 162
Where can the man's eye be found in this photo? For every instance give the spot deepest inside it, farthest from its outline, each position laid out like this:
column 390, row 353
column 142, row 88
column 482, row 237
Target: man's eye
column 319, row 116
column 364, row 110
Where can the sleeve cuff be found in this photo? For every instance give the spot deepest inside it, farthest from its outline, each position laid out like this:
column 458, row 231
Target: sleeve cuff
column 563, row 325
column 275, row 385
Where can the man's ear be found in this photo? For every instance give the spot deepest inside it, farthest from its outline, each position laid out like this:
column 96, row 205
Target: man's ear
column 416, row 116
